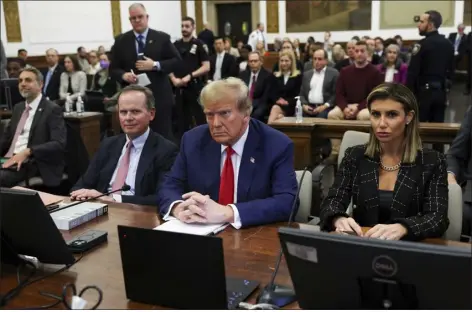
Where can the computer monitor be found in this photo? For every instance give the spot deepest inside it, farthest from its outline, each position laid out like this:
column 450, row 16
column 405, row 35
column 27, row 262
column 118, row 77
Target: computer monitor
column 9, row 93
column 26, row 228
column 333, row 271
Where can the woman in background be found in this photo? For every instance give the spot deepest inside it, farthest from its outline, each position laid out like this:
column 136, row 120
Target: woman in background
column 73, row 80
column 393, row 68
column 285, row 86
column 288, row 46
column 397, row 188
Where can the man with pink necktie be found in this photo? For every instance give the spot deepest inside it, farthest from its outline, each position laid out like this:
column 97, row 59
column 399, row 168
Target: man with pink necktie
column 138, row 158
column 34, row 141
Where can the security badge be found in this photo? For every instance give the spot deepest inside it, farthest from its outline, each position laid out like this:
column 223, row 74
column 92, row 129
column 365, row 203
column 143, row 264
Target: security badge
column 416, row 48
column 206, row 48
column 193, row 49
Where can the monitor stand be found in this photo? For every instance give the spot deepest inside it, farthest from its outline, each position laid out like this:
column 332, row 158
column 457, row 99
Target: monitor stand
column 380, row 293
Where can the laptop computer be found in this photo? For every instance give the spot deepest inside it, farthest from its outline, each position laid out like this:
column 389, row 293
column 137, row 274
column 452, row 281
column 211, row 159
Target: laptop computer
column 176, row 270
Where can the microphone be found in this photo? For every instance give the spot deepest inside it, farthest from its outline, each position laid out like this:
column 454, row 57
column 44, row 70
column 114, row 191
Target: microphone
column 274, row 294
column 124, row 188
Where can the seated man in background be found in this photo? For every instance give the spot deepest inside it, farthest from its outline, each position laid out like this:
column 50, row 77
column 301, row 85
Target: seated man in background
column 354, row 84
column 318, row 91
column 257, row 79
column 234, row 170
column 459, row 167
column 138, row 158
column 52, row 75
column 222, row 64
column 34, row 140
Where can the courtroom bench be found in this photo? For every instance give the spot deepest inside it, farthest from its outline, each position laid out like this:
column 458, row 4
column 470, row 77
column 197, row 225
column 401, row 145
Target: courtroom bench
column 310, row 131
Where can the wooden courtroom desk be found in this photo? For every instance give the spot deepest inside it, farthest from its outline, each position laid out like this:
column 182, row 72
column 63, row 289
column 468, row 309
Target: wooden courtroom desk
column 304, row 135
column 249, row 253
column 87, row 124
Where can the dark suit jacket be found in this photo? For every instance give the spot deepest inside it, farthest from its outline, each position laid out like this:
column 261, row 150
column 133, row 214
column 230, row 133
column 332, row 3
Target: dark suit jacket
column 208, row 38
column 229, row 67
column 266, row 184
column 420, row 194
column 329, row 86
column 52, row 91
column 47, row 139
column 260, row 100
column 459, row 155
column 157, row 157
column 286, row 91
column 462, row 45
column 341, row 64
column 160, row 49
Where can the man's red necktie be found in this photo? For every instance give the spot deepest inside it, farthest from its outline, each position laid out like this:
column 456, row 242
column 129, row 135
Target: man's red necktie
column 226, row 195
column 253, row 87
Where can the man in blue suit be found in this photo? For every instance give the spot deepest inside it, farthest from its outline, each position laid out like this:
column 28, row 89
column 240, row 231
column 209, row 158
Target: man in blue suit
column 138, row 158
column 256, row 184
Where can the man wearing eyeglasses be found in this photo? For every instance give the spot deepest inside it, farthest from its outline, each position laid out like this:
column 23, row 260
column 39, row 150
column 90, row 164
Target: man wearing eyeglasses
column 143, row 52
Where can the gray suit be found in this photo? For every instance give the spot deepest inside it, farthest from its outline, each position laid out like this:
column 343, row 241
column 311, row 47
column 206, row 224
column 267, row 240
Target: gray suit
column 3, row 62
column 329, row 86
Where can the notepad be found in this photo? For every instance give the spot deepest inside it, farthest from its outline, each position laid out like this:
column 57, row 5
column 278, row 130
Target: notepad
column 188, row 228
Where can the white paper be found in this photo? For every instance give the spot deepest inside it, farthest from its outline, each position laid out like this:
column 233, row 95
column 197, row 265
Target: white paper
column 188, row 228
column 143, row 80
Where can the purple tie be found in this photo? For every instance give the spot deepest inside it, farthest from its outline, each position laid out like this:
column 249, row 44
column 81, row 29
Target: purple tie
column 120, row 178
column 19, row 129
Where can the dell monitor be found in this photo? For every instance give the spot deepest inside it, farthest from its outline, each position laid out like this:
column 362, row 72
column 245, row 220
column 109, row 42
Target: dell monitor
column 333, row 271
column 26, row 228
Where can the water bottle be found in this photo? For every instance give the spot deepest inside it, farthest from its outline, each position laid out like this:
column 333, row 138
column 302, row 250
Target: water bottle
column 298, row 111
column 68, row 104
column 80, row 105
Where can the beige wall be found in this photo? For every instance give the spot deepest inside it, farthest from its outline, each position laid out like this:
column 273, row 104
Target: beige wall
column 399, row 14
column 213, row 19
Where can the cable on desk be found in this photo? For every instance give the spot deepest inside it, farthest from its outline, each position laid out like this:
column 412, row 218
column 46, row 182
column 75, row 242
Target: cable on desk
column 16, row 291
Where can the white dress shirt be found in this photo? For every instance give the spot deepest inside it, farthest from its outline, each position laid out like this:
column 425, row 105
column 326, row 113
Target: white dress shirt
column 389, row 73
column 315, row 96
column 238, row 149
column 286, row 77
column 218, row 64
column 22, row 141
column 134, row 157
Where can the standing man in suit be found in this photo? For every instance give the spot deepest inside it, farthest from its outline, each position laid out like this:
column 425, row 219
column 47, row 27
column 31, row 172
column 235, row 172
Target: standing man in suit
column 222, row 64
column 234, row 170
column 459, row 41
column 318, row 91
column 257, row 79
column 35, row 139
column 459, row 167
column 138, row 157
column 151, row 52
column 52, row 76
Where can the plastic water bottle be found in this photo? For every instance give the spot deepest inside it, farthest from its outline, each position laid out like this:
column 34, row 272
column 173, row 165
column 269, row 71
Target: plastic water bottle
column 68, row 104
column 298, row 111
column 80, row 105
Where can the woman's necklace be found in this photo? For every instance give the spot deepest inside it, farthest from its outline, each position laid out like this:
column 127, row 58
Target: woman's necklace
column 390, row 168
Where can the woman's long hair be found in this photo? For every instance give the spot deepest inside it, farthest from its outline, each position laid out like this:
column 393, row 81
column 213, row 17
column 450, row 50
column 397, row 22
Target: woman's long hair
column 401, row 94
column 293, row 71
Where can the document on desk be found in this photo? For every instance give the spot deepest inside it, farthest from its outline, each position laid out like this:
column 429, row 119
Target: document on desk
column 189, row 228
column 143, row 80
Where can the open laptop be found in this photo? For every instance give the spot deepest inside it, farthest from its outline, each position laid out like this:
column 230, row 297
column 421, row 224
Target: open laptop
column 178, row 270
column 338, row 272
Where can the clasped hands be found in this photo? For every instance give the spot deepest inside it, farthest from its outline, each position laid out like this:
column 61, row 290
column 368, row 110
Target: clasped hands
column 198, row 208
column 351, row 111
column 381, row 231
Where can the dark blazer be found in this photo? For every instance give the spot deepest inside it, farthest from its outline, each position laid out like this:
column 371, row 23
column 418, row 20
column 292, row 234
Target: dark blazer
column 462, row 45
column 459, row 155
column 266, row 184
column 52, row 91
column 160, row 49
column 286, row 91
column 343, row 63
column 260, row 100
column 401, row 71
column 157, row 158
column 420, row 194
column 329, row 86
column 47, row 139
column 229, row 67
column 208, row 38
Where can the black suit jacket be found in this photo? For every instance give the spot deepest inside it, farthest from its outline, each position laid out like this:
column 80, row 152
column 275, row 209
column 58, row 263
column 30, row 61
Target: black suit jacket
column 228, row 67
column 459, row 155
column 52, row 90
column 343, row 63
column 208, row 38
column 420, row 194
column 157, row 157
column 462, row 45
column 160, row 49
column 260, row 100
column 287, row 91
column 47, row 139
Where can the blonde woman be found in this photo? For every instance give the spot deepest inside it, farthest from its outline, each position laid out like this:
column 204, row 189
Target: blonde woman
column 338, row 53
column 397, row 188
column 285, row 86
column 260, row 48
